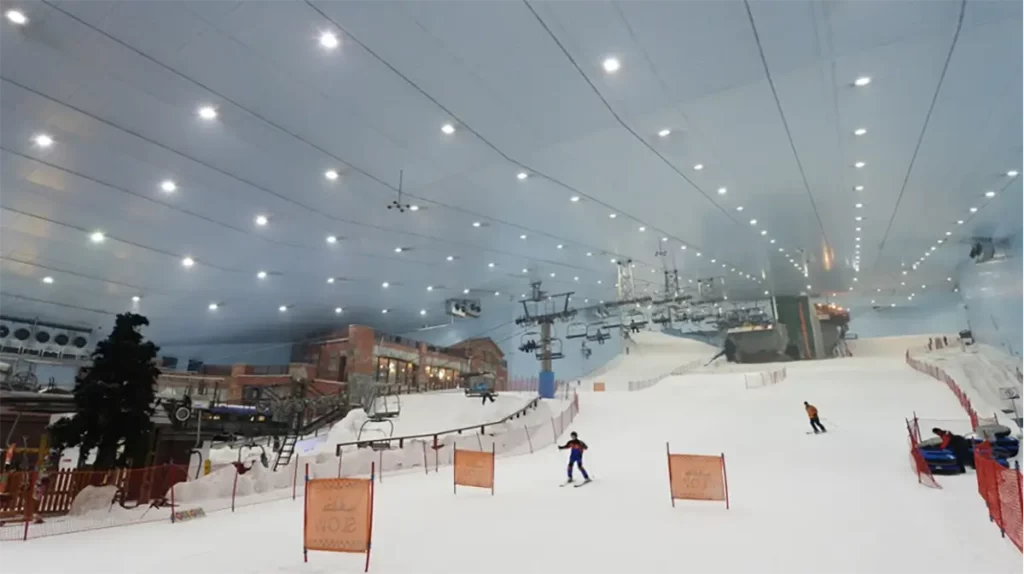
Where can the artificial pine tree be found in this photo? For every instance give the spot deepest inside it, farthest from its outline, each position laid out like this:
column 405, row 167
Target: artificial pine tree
column 114, row 398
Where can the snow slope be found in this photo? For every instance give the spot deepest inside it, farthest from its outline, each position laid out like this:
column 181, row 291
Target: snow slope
column 651, row 354
column 846, row 501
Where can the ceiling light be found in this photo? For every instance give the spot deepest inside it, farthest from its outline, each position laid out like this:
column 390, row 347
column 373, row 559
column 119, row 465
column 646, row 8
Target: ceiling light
column 589, row 254
column 43, row 140
column 282, row 308
column 465, row 291
column 414, row 207
column 973, row 210
column 330, row 279
column 949, row 278
column 664, row 133
column 496, row 293
column 136, row 298
column 16, row 17
column 450, row 258
column 612, row 215
column 212, row 306
column 574, row 198
column 328, row 40
column 683, row 247
column 664, row 239
column 399, row 249
column 859, row 131
column 187, row 262
column 575, row 278
column 808, row 286
column 940, row 241
column 598, row 281
column 261, row 220
column 208, row 112
column 859, row 164
column 611, row 65
column 332, row 239
column 932, row 249
column 385, row 285
column 959, row 221
column 521, row 175
column 559, row 246
column 990, row 194
column 862, row 81
column 261, row 275
column 423, row 311
column 1012, row 173
column 698, row 254
column 383, row 311
column 448, row 129
column 858, row 188
column 48, row 280
column 948, row 233
column 722, row 191
column 781, row 250
column 739, row 208
column 642, row 228
column 337, row 310
column 858, row 205
column 903, row 283
column 552, row 274
column 331, row 174
column 714, row 261
column 698, row 167
column 753, row 222
column 764, row 232
column 858, row 218
column 97, row 237
column 491, row 265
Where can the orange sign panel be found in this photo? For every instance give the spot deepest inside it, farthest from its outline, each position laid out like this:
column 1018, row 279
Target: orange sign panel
column 338, row 514
column 598, row 387
column 474, row 468
column 697, row 477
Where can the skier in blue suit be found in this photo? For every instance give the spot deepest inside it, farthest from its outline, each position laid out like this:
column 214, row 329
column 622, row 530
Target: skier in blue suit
column 576, row 447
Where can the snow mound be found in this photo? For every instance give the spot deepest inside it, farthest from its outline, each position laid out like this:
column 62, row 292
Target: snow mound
column 91, row 499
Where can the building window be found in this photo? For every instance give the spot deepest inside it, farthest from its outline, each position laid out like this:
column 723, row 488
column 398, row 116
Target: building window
column 395, row 371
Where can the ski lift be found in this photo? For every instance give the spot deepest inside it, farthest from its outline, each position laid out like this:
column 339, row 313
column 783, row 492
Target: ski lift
column 554, row 351
column 596, row 333
column 576, row 330
column 384, row 406
column 376, row 426
column 637, row 321
column 527, row 343
column 661, row 316
column 585, row 350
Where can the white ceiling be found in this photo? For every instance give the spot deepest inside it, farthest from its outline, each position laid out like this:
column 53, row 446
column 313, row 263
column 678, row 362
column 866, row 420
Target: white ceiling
column 761, row 95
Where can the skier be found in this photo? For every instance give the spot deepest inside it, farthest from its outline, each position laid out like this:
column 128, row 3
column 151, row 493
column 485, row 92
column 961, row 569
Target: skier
column 960, row 447
column 485, row 395
column 576, row 447
column 812, row 413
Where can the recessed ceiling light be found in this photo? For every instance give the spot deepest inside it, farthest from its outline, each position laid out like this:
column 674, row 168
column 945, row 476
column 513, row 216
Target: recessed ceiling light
column 399, row 249
column 859, row 131
column 574, row 198
column 948, row 233
column 136, row 298
column 589, row 254
column 43, row 140
column 450, row 258
column 933, row 248
column 187, row 262
column 328, row 40
column 611, row 65
column 168, row 186
column 414, row 207
column 16, row 17
column 858, row 205
column 940, row 241
column 208, row 112
column 476, row 224
column 859, row 218
column 521, row 175
column 856, row 229
column 261, row 275
column 990, row 194
column 858, row 188
column 598, row 281
column 722, row 191
column 664, row 239
column 47, row 279
column 903, row 283
column 862, row 81
column 330, row 279
column 959, row 221
column 739, row 208
column 949, row 278
column 809, row 287
column 552, row 274
column 448, row 129
column 859, row 164
column 612, row 215
column 97, row 237
column 261, row 220
column 781, row 250
column 523, row 236
column 642, row 228
column 1012, row 173
column 496, row 293
column 491, row 265
column 764, row 232
column 337, row 310
column 423, row 311
column 331, row 174
column 575, row 278
column 973, row 210
column 212, row 306
column 683, row 247
column 698, row 254
column 698, row 167
column 385, row 285
column 465, row 291
column 383, row 311
column 664, row 133
column 332, row 239
column 282, row 308
column 771, row 241
column 753, row 222
column 714, row 261
column 559, row 246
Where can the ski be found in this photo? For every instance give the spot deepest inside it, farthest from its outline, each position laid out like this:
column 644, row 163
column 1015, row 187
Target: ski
column 584, row 483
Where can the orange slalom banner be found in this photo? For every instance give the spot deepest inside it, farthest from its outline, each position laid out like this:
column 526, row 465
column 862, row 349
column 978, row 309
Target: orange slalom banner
column 338, row 515
column 473, row 468
column 697, row 477
column 598, row 387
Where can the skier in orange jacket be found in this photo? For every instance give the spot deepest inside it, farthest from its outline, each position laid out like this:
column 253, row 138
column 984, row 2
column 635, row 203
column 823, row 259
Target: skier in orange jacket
column 812, row 413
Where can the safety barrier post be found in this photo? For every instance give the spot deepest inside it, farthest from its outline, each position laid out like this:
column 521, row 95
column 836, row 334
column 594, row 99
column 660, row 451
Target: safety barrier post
column 295, row 478
column 380, row 457
column 340, row 453
column 172, row 503
column 528, row 441
column 234, row 490
column 426, row 469
column 668, row 457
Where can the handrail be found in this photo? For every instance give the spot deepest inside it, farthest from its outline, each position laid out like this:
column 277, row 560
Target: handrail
column 401, row 439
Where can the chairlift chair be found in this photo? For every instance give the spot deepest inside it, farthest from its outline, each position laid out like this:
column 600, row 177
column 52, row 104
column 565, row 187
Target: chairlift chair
column 527, row 343
column 661, row 317
column 554, row 351
column 576, row 330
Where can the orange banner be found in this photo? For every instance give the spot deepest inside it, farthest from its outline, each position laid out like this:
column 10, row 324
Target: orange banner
column 474, row 468
column 598, row 387
column 338, row 514
column 697, row 477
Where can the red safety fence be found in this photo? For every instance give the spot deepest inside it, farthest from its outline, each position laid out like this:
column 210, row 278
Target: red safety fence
column 917, row 462
column 1000, row 487
column 941, row 375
